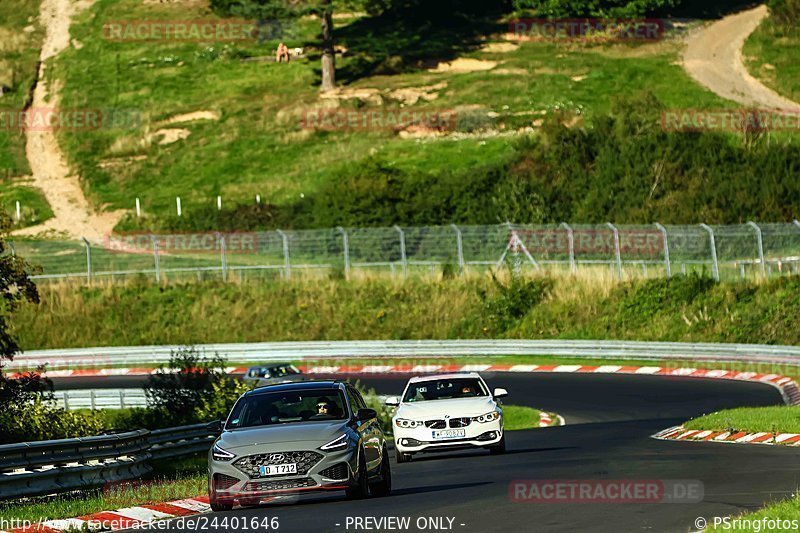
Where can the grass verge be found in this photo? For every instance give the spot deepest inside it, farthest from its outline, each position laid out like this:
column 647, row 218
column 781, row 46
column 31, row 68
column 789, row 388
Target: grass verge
column 780, row 419
column 771, row 55
column 764, row 520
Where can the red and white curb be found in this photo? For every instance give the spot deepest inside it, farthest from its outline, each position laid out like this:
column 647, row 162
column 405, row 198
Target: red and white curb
column 547, row 420
column 128, row 518
column 731, row 437
column 787, row 387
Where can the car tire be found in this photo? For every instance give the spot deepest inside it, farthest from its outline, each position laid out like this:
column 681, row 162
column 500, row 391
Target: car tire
column 361, row 488
column 500, row 447
column 384, row 486
column 403, row 457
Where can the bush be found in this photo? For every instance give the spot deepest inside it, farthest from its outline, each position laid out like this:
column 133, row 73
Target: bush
column 511, row 301
column 190, row 387
column 28, row 413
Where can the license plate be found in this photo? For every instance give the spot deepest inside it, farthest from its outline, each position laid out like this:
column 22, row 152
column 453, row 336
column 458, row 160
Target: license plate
column 450, row 434
column 278, row 470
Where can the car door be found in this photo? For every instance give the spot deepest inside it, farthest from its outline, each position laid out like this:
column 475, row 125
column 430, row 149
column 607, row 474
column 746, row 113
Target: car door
column 370, row 430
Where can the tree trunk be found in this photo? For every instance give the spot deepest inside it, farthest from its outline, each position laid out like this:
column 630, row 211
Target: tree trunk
column 328, row 54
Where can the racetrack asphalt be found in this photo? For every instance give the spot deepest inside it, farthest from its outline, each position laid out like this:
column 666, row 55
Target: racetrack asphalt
column 607, row 437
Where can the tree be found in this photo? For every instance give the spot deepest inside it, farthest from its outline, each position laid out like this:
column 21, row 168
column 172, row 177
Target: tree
column 16, row 286
column 271, row 10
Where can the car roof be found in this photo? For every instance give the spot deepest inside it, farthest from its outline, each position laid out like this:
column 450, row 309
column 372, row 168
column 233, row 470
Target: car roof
column 417, row 379
column 270, row 365
column 296, row 386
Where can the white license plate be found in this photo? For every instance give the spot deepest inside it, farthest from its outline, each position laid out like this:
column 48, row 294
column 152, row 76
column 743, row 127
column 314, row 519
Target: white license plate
column 278, row 470
column 450, row 434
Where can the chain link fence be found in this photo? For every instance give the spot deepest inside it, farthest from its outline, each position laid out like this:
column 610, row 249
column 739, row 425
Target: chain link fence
column 724, row 252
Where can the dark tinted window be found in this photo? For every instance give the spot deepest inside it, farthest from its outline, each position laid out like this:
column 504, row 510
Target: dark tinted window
column 285, row 407
column 444, row 389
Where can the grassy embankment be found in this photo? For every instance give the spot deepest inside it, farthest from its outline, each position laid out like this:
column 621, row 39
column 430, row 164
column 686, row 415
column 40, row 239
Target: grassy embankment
column 20, row 41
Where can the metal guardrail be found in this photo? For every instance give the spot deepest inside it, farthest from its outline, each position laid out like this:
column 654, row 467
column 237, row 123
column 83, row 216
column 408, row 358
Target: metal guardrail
column 100, row 399
column 133, row 356
column 51, row 467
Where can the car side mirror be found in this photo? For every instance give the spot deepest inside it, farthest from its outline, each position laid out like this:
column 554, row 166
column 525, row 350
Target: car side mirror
column 215, row 426
column 365, row 415
column 500, row 393
column 394, row 401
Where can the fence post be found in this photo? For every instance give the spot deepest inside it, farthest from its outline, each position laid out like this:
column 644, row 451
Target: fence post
column 759, row 238
column 88, row 260
column 286, row 265
column 571, row 240
column 459, row 247
column 346, row 245
column 155, row 258
column 178, row 203
column 616, row 249
column 138, row 208
column 223, row 258
column 403, row 257
column 715, row 264
column 667, row 264
column 13, row 250
column 19, row 212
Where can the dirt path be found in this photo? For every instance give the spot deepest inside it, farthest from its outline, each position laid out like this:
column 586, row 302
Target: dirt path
column 73, row 215
column 713, row 57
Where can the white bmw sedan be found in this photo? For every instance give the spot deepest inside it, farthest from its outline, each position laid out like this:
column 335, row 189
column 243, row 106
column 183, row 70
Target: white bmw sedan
column 447, row 412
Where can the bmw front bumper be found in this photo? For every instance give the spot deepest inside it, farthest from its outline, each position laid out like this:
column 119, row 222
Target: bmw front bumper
column 421, row 439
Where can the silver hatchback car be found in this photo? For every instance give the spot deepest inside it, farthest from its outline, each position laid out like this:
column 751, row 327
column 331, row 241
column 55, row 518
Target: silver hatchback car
column 296, row 438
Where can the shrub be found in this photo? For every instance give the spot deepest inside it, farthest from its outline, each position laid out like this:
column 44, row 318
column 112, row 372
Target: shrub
column 28, row 413
column 786, row 13
column 511, row 301
column 185, row 388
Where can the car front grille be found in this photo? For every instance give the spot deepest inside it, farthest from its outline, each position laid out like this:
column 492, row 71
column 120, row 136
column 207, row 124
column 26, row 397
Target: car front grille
column 460, row 422
column 285, row 484
column 223, row 482
column 339, row 471
column 435, row 424
column 251, row 465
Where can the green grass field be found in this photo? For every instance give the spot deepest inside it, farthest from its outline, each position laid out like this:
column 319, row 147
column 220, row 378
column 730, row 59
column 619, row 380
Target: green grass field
column 258, row 146
column 751, row 419
column 771, row 55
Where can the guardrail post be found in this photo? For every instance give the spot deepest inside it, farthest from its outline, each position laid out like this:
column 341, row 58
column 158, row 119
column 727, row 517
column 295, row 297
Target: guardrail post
column 346, row 247
column 616, row 249
column 223, row 258
column 66, row 400
column 713, row 241
column 122, row 398
column 403, row 258
column 571, row 241
column 93, row 399
column 287, row 267
column 760, row 240
column 459, row 248
column 667, row 264
column 88, row 260
column 155, row 258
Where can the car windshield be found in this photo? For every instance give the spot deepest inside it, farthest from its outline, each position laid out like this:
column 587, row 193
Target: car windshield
column 444, row 389
column 285, row 370
column 270, row 408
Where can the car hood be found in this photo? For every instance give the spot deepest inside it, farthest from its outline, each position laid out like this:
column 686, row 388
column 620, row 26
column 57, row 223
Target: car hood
column 439, row 408
column 316, row 433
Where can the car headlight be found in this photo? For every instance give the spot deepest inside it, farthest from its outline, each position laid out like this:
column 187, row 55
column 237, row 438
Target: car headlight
column 338, row 443
column 405, row 423
column 221, row 455
column 488, row 417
